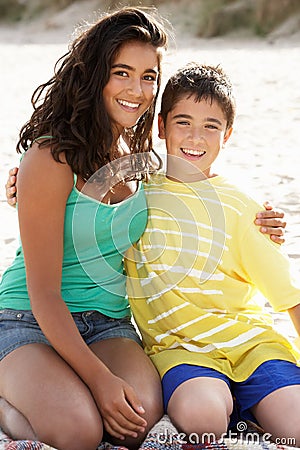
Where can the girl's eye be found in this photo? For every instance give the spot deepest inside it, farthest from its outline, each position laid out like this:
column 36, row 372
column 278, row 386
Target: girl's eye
column 149, row 78
column 120, row 73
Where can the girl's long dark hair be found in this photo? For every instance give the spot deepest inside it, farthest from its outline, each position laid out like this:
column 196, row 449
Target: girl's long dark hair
column 69, row 109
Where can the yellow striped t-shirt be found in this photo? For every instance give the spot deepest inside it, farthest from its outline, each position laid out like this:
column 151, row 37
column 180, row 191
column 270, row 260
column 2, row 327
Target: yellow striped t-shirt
column 194, row 276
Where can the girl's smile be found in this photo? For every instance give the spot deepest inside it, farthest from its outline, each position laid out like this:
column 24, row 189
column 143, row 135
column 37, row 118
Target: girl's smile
column 132, row 84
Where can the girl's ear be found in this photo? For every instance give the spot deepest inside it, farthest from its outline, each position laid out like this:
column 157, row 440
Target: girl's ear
column 161, row 128
column 227, row 135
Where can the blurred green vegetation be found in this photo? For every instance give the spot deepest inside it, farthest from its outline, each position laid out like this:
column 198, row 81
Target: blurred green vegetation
column 213, row 17
column 16, row 10
column 260, row 16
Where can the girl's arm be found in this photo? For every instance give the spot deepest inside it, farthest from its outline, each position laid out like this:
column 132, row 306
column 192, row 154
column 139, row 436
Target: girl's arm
column 43, row 189
column 271, row 221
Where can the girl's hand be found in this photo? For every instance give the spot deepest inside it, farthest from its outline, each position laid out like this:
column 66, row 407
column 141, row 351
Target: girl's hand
column 271, row 222
column 10, row 187
column 119, row 407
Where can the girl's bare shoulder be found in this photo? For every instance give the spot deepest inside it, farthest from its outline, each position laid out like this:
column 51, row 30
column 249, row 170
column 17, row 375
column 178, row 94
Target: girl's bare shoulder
column 39, row 167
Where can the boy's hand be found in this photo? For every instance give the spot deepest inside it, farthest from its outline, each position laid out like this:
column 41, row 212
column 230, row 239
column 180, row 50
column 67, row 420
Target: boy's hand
column 11, row 188
column 271, row 222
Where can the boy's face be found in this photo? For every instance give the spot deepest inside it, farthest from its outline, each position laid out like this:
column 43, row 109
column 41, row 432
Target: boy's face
column 194, row 133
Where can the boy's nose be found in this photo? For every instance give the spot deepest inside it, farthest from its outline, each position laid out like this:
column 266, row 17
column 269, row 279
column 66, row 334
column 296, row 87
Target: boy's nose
column 197, row 135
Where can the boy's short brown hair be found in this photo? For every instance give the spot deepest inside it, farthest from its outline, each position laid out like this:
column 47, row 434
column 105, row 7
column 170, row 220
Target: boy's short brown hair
column 205, row 83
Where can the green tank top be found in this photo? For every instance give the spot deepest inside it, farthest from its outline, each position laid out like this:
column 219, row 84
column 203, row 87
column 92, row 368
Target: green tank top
column 96, row 236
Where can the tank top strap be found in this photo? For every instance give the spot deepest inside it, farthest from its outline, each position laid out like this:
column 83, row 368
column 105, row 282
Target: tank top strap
column 42, row 137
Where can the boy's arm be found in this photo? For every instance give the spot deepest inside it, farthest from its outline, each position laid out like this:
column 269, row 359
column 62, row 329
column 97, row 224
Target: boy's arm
column 266, row 265
column 295, row 316
column 10, row 187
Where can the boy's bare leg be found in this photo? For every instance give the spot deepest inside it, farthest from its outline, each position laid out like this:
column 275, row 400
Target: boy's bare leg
column 278, row 414
column 202, row 406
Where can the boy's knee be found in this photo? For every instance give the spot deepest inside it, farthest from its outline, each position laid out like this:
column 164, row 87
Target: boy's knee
column 200, row 424
column 288, row 435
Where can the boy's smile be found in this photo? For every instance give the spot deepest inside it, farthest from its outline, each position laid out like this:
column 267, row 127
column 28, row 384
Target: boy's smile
column 189, row 152
column 194, row 132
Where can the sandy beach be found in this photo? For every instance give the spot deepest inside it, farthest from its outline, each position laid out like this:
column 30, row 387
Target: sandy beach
column 264, row 152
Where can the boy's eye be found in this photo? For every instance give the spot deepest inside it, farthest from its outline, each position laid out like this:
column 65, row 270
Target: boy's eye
column 211, row 126
column 183, row 122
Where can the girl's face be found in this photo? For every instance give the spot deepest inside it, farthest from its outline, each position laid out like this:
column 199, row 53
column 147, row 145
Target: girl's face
column 132, row 84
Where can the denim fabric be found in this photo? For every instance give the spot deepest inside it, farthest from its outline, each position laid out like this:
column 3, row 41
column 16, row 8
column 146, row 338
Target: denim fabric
column 19, row 328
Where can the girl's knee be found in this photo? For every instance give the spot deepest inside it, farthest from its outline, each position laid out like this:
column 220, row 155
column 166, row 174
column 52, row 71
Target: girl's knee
column 81, row 430
column 13, row 423
column 150, row 396
column 153, row 406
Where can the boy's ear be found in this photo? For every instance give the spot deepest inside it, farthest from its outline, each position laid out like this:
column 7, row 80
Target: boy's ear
column 227, row 135
column 161, row 127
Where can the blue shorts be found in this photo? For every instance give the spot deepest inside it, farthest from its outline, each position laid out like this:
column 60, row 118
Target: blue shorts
column 19, row 328
column 268, row 377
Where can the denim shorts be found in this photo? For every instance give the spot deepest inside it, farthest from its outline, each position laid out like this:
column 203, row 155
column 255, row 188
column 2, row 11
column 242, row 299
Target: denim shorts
column 18, row 328
column 268, row 377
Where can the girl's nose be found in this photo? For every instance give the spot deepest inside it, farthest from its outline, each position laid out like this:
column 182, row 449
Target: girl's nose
column 136, row 88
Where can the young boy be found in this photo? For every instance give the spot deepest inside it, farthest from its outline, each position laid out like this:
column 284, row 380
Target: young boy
column 194, row 275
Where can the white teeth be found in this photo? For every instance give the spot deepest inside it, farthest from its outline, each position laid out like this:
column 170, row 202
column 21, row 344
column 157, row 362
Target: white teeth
column 192, row 152
column 129, row 104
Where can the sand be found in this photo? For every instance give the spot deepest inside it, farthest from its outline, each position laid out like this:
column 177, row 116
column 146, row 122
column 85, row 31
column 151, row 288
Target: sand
column 264, row 152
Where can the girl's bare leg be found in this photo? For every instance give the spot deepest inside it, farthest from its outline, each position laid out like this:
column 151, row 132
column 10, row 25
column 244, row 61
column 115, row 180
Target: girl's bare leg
column 126, row 359
column 49, row 401
column 13, row 423
column 201, row 407
column 278, row 414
